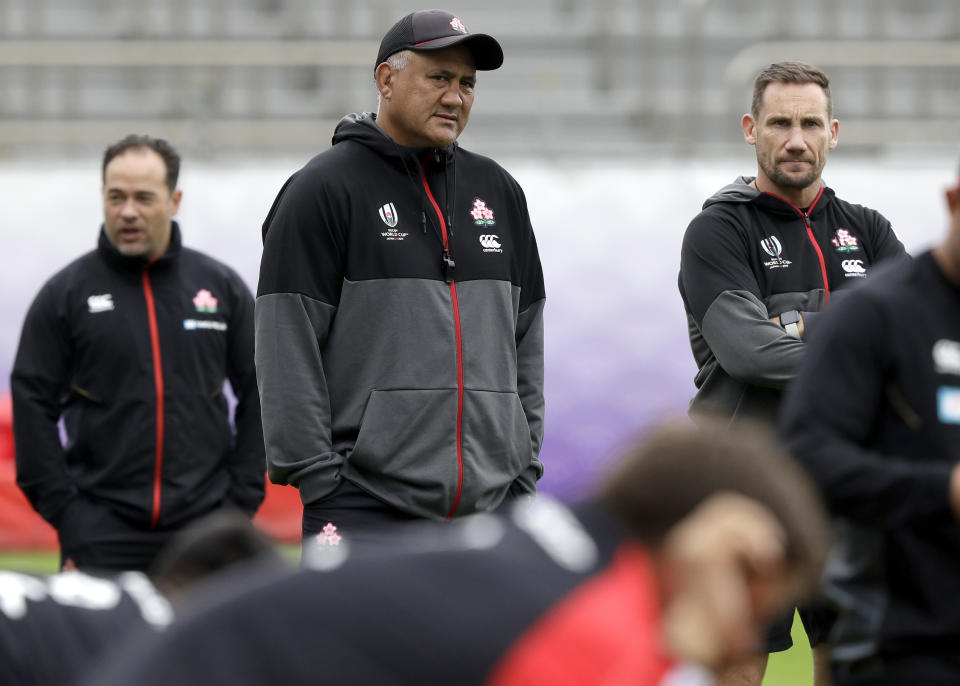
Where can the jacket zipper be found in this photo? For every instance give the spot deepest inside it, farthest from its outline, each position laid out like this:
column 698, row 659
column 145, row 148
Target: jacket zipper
column 816, row 246
column 456, row 323
column 158, row 388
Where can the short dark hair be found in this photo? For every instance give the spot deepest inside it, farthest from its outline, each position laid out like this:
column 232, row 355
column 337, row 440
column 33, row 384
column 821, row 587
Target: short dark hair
column 134, row 141
column 789, row 72
column 677, row 467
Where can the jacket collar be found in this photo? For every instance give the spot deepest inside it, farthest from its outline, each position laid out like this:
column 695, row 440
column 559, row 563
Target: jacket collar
column 740, row 191
column 114, row 257
column 362, row 128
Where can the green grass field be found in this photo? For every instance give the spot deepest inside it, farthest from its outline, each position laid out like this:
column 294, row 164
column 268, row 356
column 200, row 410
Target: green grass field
column 32, row 562
column 790, row 668
column 793, row 667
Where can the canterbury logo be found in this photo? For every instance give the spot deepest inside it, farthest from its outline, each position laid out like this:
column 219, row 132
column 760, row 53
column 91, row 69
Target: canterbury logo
column 853, row 267
column 100, row 303
column 489, row 240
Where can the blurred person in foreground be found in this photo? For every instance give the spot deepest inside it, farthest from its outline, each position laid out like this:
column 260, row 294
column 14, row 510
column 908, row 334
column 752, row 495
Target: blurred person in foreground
column 875, row 417
column 399, row 316
column 689, row 547
column 130, row 346
column 53, row 629
column 758, row 264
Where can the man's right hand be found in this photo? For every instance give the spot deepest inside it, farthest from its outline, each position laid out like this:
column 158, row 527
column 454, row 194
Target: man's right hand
column 727, row 576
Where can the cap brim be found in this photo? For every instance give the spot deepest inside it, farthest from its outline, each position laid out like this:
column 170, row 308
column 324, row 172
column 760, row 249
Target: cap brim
column 487, row 53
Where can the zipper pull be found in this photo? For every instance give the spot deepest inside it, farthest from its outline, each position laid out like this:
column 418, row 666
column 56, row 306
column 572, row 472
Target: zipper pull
column 449, row 266
column 423, row 221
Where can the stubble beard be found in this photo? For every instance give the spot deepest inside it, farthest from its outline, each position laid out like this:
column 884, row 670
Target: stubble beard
column 782, row 179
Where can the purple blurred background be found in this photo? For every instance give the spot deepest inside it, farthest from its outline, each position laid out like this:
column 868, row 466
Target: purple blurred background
column 617, row 357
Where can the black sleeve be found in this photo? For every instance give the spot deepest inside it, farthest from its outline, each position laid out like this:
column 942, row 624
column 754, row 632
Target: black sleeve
column 304, row 249
column 248, row 463
column 724, row 299
column 830, row 410
column 40, row 379
column 885, row 241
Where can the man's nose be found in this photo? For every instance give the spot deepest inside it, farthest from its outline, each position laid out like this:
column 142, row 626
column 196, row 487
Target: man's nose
column 129, row 209
column 451, row 96
column 796, row 141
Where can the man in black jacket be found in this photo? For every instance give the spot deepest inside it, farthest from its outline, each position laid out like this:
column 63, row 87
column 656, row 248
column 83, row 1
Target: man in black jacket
column 130, row 345
column 399, row 317
column 764, row 256
column 875, row 416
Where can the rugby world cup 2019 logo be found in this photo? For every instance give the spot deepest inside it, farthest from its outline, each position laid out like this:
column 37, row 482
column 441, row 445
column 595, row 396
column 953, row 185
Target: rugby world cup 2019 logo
column 771, row 245
column 388, row 213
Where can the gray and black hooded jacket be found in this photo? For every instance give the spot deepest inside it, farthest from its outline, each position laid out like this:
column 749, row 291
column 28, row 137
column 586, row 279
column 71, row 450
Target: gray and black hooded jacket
column 399, row 327
column 749, row 256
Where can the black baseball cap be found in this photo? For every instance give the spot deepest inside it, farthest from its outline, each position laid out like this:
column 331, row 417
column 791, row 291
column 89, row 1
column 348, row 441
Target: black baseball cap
column 435, row 29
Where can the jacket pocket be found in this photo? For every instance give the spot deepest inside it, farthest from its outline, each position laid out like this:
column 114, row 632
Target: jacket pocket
column 496, row 446
column 409, row 436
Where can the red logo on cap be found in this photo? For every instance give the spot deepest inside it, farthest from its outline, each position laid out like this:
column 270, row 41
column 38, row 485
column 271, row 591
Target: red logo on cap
column 458, row 25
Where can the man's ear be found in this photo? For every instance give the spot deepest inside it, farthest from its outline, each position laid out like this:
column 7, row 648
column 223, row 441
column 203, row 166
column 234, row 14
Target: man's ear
column 749, row 127
column 834, row 133
column 953, row 198
column 385, row 75
column 175, row 200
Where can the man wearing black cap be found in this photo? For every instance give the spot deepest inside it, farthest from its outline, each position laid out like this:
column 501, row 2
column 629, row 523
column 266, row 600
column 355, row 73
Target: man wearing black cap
column 399, row 330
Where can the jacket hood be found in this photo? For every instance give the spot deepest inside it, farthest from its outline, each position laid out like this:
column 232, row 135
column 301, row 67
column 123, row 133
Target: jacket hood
column 362, row 128
column 740, row 191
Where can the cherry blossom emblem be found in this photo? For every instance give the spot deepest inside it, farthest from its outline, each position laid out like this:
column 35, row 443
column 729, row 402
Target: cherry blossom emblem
column 204, row 301
column 482, row 215
column 329, row 535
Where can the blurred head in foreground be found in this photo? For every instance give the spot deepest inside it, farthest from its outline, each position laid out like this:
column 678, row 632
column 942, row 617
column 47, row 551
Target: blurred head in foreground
column 224, row 539
column 737, row 527
column 694, row 542
column 54, row 629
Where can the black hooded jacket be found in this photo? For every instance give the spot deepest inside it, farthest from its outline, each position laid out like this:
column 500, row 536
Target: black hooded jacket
column 133, row 356
column 399, row 327
column 874, row 416
column 749, row 256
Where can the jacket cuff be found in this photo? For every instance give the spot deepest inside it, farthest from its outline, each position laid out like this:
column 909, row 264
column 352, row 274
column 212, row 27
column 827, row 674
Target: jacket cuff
column 319, row 482
column 526, row 481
